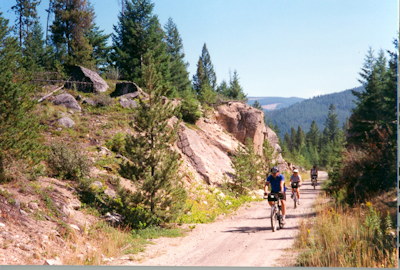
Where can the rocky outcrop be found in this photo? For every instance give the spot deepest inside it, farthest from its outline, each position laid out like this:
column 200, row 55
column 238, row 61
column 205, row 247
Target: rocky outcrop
column 208, row 150
column 209, row 146
column 68, row 101
column 243, row 122
column 91, row 80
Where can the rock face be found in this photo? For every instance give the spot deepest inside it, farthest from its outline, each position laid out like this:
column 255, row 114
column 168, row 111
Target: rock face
column 207, row 150
column 243, row 121
column 92, row 82
column 68, row 101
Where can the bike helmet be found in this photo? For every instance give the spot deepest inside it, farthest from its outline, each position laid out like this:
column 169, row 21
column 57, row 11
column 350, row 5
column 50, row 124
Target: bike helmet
column 296, row 170
column 274, row 170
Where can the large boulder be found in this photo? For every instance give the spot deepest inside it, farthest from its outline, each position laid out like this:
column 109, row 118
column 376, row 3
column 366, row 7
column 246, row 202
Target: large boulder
column 67, row 100
column 243, row 122
column 66, row 122
column 127, row 103
column 88, row 80
column 123, row 88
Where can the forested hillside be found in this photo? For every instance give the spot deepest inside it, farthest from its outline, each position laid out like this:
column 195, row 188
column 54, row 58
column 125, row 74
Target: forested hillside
column 273, row 103
column 315, row 109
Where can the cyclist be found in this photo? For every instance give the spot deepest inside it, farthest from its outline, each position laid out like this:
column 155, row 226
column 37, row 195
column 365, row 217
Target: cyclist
column 296, row 178
column 277, row 182
column 314, row 172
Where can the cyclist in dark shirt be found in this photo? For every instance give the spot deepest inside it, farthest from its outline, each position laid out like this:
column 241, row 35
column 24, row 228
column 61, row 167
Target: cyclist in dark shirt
column 276, row 181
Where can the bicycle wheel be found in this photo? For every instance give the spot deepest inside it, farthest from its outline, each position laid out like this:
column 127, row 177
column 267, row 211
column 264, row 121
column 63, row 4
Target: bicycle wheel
column 279, row 216
column 314, row 184
column 274, row 217
column 295, row 199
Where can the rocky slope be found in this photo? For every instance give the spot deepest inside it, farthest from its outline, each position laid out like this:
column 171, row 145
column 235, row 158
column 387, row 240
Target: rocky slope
column 43, row 221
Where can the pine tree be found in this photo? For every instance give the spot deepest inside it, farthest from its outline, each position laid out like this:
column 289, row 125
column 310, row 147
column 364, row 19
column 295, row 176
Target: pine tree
column 257, row 105
column 72, row 23
column 235, row 90
column 300, row 138
column 223, row 88
column 26, row 11
column 179, row 75
column 293, row 138
column 139, row 33
column 18, row 125
column 248, row 169
column 313, row 135
column 101, row 50
column 154, row 164
column 204, row 81
column 34, row 50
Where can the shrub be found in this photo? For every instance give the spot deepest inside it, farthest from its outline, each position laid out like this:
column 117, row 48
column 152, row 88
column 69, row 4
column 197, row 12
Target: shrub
column 190, row 108
column 68, row 162
column 103, row 100
column 117, row 143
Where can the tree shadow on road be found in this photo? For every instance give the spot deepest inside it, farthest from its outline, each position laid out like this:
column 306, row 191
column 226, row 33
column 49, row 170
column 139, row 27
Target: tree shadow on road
column 248, row 229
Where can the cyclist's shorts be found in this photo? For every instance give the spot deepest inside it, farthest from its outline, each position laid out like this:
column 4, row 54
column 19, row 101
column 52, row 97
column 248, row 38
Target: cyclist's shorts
column 272, row 197
column 295, row 185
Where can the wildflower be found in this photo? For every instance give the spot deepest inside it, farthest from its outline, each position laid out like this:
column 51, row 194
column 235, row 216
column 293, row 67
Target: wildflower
column 308, row 231
column 368, row 204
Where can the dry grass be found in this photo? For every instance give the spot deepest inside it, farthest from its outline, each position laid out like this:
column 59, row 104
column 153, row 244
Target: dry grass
column 102, row 242
column 347, row 237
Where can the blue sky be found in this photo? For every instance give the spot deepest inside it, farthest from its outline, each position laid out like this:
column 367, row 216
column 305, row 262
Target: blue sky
column 283, row 48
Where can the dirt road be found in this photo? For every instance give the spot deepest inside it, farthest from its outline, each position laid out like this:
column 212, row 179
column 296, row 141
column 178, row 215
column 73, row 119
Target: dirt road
column 245, row 239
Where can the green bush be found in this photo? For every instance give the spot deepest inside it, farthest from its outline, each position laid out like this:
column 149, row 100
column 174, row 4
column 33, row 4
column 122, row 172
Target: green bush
column 117, row 143
column 190, row 108
column 103, row 100
column 68, row 162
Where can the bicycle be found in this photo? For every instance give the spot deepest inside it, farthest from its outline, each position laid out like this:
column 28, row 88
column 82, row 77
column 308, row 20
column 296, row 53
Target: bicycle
column 314, row 181
column 276, row 211
column 295, row 186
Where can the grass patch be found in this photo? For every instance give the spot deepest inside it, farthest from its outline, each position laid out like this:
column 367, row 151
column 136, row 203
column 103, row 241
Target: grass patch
column 102, row 241
column 204, row 206
column 341, row 236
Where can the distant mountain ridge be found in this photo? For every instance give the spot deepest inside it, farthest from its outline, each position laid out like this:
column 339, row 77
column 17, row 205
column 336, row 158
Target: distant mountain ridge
column 304, row 112
column 274, row 103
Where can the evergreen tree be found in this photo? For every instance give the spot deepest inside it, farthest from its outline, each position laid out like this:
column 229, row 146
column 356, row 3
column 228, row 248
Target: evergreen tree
column 101, row 50
column 34, row 50
column 300, row 138
column 18, row 125
column 313, row 135
column 235, row 90
column 72, row 23
column 179, row 74
column 190, row 108
column 257, row 105
column 248, row 169
column 223, row 88
column 332, row 140
column 26, row 18
column 293, row 138
column 204, row 81
column 139, row 33
column 153, row 163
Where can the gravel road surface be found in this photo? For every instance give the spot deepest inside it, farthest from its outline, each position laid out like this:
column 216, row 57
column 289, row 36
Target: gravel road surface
column 243, row 239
